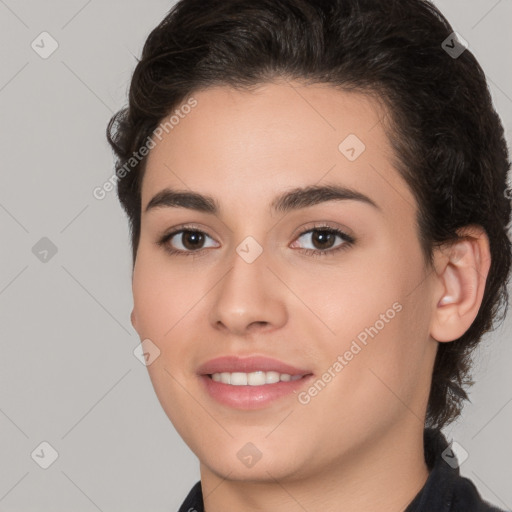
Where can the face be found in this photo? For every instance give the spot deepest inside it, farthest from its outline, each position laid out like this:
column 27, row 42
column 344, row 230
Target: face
column 332, row 284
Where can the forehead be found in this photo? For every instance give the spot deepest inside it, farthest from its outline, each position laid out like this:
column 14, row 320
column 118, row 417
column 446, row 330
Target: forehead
column 246, row 146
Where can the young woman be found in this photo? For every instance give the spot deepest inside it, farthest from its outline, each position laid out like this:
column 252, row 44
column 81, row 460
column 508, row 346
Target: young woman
column 317, row 198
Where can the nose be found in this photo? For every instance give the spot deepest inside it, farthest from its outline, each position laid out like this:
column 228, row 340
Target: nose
column 249, row 298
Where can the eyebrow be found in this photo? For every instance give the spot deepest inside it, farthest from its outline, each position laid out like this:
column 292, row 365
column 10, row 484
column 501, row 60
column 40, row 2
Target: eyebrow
column 294, row 199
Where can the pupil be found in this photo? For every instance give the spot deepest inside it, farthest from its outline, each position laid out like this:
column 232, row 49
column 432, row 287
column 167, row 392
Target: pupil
column 194, row 235
column 322, row 235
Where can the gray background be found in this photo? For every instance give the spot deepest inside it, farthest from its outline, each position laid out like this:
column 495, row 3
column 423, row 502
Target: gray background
column 68, row 375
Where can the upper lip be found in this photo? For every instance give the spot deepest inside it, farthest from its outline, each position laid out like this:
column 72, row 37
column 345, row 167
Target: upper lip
column 233, row 363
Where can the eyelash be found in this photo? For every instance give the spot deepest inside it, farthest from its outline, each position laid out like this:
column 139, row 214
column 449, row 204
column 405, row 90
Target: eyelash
column 348, row 241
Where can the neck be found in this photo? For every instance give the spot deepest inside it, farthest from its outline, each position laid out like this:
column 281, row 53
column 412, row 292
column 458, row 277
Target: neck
column 385, row 475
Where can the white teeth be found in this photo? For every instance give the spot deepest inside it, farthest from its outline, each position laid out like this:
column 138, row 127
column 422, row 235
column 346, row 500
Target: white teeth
column 238, row 379
column 257, row 378
column 225, row 378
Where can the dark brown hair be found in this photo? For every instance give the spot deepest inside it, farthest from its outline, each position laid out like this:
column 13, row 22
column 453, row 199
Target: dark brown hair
column 447, row 138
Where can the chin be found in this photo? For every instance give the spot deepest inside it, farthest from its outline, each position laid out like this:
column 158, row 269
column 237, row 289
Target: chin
column 257, row 462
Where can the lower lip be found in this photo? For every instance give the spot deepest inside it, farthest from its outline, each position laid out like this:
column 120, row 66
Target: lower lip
column 251, row 397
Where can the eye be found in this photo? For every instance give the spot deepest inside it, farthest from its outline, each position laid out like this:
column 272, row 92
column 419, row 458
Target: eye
column 190, row 241
column 323, row 238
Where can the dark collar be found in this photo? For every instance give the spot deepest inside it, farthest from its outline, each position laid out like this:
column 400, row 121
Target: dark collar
column 444, row 491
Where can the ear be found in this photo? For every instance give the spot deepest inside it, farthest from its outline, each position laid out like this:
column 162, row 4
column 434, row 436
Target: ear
column 461, row 272
column 133, row 319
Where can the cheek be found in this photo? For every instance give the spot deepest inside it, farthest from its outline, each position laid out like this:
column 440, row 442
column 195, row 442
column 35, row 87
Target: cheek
column 352, row 297
column 163, row 296
column 377, row 312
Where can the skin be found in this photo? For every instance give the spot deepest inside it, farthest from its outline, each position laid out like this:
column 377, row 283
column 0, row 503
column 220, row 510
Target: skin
column 359, row 441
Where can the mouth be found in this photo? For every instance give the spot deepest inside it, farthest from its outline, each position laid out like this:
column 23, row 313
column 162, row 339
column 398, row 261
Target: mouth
column 253, row 382
column 253, row 390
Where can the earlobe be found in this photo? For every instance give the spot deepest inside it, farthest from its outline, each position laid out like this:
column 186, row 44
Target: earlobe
column 132, row 319
column 462, row 270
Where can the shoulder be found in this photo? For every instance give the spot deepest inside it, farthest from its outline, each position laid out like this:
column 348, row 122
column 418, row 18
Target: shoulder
column 467, row 498
column 446, row 490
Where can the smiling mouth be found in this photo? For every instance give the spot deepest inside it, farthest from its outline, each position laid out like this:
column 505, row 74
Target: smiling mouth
column 252, row 390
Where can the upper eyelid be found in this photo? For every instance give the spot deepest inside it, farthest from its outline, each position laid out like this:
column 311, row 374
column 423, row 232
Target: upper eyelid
column 296, row 232
column 322, row 225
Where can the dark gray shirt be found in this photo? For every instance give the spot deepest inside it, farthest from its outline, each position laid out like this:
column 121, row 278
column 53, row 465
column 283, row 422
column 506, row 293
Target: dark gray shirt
column 444, row 491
